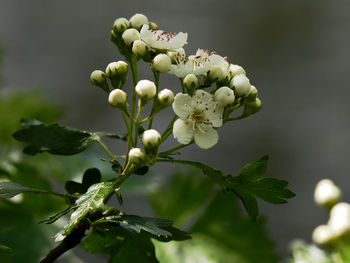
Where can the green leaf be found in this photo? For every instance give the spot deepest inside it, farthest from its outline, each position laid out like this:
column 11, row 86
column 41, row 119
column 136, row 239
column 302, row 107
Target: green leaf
column 133, row 223
column 121, row 245
column 93, row 200
column 8, row 189
column 168, row 200
column 248, row 184
column 56, row 139
column 54, row 218
column 90, row 177
column 219, row 232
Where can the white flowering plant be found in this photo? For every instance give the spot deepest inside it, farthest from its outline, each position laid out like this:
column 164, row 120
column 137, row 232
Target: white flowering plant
column 210, row 93
column 331, row 240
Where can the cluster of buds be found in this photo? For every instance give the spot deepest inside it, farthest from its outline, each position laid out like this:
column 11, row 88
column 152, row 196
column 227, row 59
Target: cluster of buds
column 200, row 108
column 327, row 194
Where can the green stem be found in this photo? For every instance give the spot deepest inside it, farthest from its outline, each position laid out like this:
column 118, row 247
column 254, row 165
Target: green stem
column 137, row 122
column 133, row 65
column 182, row 85
column 168, row 130
column 105, row 148
column 156, row 76
column 129, row 137
column 175, row 148
column 36, row 191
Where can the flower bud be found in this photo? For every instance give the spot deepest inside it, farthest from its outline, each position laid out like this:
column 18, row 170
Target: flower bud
column 98, row 78
column 130, row 35
column 339, row 220
column 152, row 25
column 326, row 194
column 236, row 70
column 117, row 98
column 116, row 69
column 252, row 107
column 165, row 97
column 161, row 63
column 120, row 25
column 322, row 235
column 253, row 93
column 137, row 20
column 137, row 155
column 151, row 139
column 241, row 85
column 139, row 48
column 225, row 96
column 215, row 73
column 145, row 89
column 191, row 82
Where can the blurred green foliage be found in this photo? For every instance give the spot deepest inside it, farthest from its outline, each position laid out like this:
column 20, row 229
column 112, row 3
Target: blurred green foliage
column 219, row 231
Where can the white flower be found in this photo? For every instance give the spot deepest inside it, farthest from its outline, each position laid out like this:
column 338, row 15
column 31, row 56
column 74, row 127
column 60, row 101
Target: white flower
column 160, row 39
column 197, row 64
column 130, row 35
column 217, row 60
column 117, row 98
column 165, row 97
column 146, row 89
column 236, row 70
column 339, row 220
column 198, row 115
column 322, row 235
column 139, row 48
column 137, row 155
column 121, row 24
column 162, row 63
column 225, row 96
column 151, row 138
column 137, row 20
column 326, row 193
column 241, row 84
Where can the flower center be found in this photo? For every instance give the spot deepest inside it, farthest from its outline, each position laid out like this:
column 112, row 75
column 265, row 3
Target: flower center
column 197, row 117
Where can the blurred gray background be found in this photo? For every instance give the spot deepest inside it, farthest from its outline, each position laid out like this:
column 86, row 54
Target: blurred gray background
column 295, row 52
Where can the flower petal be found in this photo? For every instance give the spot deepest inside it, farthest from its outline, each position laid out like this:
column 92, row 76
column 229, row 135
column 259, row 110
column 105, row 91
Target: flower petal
column 182, row 105
column 213, row 113
column 201, row 99
column 206, row 137
column 183, row 131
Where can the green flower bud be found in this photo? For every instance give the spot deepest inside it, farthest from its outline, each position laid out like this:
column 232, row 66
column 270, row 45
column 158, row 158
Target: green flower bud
column 130, row 35
column 145, row 89
column 152, row 25
column 165, row 97
column 252, row 107
column 118, row 98
column 241, row 85
column 98, row 78
column 191, row 83
column 215, row 73
column 161, row 63
column 151, row 139
column 139, row 48
column 120, row 25
column 225, row 96
column 137, row 20
column 117, row 69
column 137, row 156
column 253, row 93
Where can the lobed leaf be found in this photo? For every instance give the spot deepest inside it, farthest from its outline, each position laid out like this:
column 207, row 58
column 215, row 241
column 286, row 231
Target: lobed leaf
column 56, row 139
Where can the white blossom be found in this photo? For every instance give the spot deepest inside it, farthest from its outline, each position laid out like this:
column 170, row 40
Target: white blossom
column 151, row 138
column 137, row 20
column 166, row 97
column 198, row 116
column 221, row 62
column 160, row 39
column 117, row 98
column 241, row 84
column 130, row 35
column 197, row 64
column 326, row 193
column 146, row 89
column 339, row 220
column 162, row 63
column 225, row 96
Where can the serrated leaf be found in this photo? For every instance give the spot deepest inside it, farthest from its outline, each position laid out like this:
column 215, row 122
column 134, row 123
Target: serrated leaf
column 93, row 200
column 248, row 184
column 56, row 139
column 8, row 189
column 90, row 177
column 133, row 223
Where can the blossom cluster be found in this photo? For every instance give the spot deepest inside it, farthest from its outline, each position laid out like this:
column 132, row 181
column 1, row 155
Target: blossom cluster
column 327, row 194
column 211, row 87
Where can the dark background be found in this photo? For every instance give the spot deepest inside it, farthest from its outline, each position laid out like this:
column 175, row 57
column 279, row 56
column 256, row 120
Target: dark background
column 295, row 52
